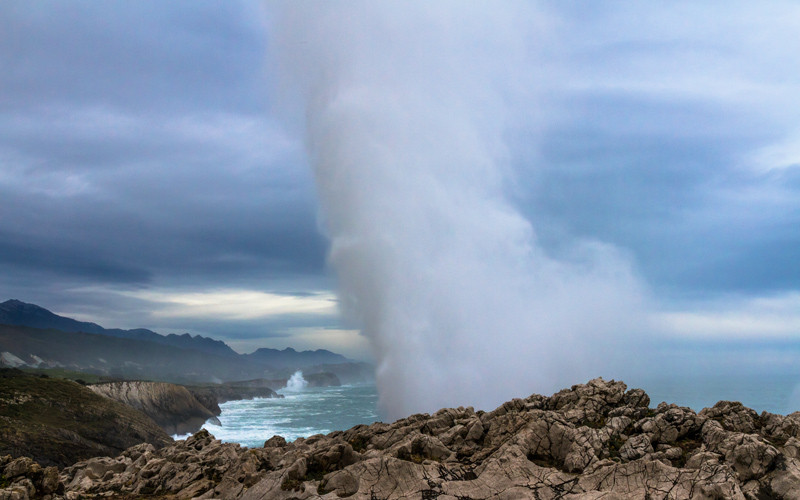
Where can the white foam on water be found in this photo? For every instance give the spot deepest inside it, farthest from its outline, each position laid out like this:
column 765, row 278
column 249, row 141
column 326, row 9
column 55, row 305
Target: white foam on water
column 296, row 383
column 298, row 414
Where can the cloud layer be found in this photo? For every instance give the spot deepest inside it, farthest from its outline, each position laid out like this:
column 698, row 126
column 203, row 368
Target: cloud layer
column 406, row 119
column 155, row 149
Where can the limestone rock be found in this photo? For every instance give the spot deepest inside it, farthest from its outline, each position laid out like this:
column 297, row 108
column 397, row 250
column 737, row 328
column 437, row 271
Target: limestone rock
column 171, row 406
column 593, row 441
column 636, row 447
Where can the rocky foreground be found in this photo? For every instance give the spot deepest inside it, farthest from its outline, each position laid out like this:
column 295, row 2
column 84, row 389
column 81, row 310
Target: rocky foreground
column 593, row 441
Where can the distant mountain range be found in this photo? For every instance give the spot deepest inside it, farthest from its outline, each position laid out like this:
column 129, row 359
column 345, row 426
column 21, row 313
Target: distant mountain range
column 32, row 336
column 289, row 357
column 15, row 312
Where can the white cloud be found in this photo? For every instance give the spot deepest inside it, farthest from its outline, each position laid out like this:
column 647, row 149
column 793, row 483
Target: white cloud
column 236, row 304
column 350, row 343
column 760, row 318
column 780, row 155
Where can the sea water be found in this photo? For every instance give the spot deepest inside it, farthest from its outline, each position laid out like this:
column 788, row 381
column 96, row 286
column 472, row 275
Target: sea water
column 775, row 393
column 300, row 413
column 306, row 411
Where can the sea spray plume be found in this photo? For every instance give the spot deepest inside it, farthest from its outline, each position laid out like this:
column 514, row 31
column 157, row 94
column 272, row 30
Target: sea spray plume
column 296, row 382
column 406, row 104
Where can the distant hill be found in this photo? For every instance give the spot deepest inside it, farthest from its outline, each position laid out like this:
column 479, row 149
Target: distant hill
column 58, row 422
column 15, row 312
column 33, row 337
column 119, row 357
column 291, row 358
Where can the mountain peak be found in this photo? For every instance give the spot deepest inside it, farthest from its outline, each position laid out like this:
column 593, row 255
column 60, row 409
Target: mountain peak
column 17, row 313
column 18, row 305
column 297, row 359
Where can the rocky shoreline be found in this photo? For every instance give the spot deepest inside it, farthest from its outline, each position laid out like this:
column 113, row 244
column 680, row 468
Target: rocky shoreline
column 175, row 408
column 593, row 441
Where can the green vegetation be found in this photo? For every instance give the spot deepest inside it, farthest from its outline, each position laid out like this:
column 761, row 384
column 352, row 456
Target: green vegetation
column 687, row 444
column 595, row 424
column 62, row 373
column 359, row 443
column 410, row 457
column 291, row 484
column 314, row 471
column 614, row 445
column 58, row 422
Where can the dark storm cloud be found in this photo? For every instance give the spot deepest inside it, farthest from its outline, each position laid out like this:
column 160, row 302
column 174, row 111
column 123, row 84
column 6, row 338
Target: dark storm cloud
column 148, row 54
column 652, row 135
column 141, row 149
column 665, row 180
column 135, row 143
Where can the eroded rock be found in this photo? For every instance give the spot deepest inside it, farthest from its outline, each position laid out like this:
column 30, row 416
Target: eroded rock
column 592, row 441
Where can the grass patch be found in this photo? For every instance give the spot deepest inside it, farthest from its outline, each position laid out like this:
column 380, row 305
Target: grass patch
column 86, row 378
column 687, row 444
column 291, row 484
column 594, row 424
column 314, row 471
column 614, row 445
column 410, row 457
column 35, row 412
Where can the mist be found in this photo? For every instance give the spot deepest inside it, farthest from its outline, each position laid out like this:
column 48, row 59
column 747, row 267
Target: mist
column 407, row 108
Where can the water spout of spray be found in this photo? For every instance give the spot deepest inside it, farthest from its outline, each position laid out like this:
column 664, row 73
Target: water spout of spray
column 296, row 382
column 406, row 106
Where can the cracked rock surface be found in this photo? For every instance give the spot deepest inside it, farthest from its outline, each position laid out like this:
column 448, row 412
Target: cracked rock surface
column 597, row 440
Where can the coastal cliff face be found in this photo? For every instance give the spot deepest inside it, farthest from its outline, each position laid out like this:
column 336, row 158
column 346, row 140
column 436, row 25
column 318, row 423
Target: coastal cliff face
column 592, row 441
column 171, row 406
column 211, row 396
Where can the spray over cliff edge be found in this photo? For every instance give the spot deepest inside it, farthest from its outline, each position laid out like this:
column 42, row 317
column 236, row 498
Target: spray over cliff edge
column 406, row 108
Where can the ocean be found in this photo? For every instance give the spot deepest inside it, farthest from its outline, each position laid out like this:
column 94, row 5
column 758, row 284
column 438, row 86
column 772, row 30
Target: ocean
column 300, row 413
column 306, row 411
column 773, row 393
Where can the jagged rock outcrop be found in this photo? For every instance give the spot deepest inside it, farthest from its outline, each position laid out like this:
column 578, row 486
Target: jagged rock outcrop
column 592, row 441
column 171, row 406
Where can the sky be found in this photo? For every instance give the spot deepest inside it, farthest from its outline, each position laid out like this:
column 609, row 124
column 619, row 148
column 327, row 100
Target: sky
column 154, row 170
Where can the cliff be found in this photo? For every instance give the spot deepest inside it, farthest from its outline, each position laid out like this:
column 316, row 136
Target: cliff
column 592, row 441
column 171, row 406
column 15, row 312
column 58, row 422
column 211, row 396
